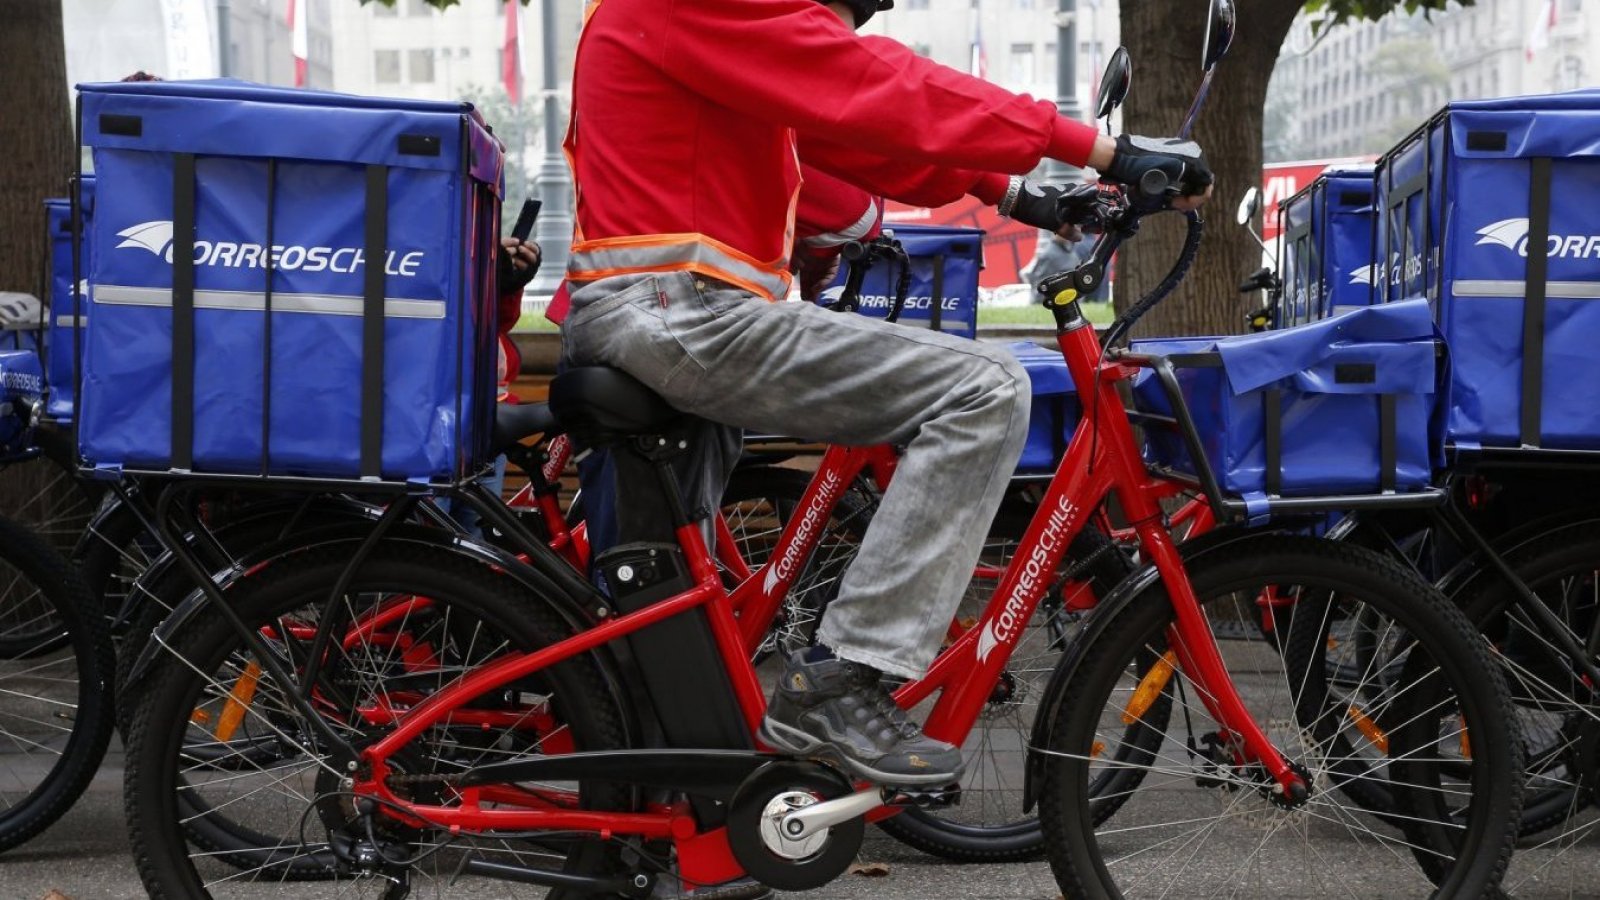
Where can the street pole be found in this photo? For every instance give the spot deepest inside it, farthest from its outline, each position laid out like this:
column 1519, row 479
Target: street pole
column 223, row 45
column 554, row 181
column 1066, row 80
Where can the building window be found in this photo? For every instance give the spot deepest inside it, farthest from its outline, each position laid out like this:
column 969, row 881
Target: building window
column 1021, row 64
column 418, row 8
column 383, row 10
column 386, row 67
column 420, row 64
column 922, row 49
column 916, row 4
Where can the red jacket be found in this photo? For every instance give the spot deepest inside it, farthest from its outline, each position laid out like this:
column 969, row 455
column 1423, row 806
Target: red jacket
column 689, row 118
column 832, row 212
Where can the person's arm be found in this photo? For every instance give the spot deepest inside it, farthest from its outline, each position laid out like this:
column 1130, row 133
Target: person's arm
column 793, row 63
column 913, row 183
column 832, row 212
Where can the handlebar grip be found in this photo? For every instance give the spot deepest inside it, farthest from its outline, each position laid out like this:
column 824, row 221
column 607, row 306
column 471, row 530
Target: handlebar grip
column 853, row 250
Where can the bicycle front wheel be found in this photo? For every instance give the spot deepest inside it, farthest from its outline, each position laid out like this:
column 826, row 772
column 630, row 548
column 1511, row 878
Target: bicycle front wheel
column 1203, row 821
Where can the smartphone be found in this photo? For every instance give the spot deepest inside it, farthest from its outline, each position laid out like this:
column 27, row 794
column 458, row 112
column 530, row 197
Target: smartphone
column 524, row 226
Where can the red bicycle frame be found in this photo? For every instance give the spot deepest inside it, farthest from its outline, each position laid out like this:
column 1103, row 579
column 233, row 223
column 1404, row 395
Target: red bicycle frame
column 1101, row 459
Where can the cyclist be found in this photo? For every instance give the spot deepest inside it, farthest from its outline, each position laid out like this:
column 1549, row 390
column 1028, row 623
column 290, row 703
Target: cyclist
column 688, row 121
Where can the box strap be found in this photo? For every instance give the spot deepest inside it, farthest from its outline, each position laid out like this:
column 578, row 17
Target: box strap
column 182, row 456
column 1533, row 306
column 1273, row 427
column 376, row 248
column 936, row 312
column 266, row 324
column 1387, row 449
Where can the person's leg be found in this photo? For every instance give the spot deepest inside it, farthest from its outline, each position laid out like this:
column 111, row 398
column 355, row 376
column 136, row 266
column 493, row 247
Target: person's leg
column 960, row 408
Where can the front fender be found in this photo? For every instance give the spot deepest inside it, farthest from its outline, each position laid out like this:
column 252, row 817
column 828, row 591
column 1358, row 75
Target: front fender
column 1105, row 611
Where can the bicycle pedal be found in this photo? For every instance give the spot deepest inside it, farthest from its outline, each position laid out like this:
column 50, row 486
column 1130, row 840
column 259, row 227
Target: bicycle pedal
column 924, row 798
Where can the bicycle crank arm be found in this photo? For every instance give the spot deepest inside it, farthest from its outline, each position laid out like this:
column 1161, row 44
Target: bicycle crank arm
column 819, row 817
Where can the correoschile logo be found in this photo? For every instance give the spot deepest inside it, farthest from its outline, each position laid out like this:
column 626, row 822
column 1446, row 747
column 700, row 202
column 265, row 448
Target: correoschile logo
column 156, row 237
column 1512, row 234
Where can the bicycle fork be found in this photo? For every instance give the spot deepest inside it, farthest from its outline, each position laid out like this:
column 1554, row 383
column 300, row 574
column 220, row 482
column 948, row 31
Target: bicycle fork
column 1195, row 649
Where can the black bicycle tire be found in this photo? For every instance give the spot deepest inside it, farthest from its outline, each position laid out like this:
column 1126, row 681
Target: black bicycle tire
column 84, row 633
column 56, row 450
column 1075, row 858
column 1485, row 597
column 160, row 842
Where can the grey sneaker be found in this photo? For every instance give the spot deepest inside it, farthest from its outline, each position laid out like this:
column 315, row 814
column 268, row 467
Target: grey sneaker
column 842, row 710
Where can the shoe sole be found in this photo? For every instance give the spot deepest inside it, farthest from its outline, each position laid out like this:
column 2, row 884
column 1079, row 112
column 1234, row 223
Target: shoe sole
column 795, row 742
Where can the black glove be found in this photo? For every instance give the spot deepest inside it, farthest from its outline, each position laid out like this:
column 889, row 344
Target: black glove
column 511, row 278
column 1182, row 168
column 1053, row 207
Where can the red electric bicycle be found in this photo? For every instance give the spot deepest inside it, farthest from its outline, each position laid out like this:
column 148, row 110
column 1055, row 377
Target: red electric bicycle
column 487, row 733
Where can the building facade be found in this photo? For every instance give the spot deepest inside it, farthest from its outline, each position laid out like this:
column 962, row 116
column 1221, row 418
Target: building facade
column 250, row 39
column 1360, row 87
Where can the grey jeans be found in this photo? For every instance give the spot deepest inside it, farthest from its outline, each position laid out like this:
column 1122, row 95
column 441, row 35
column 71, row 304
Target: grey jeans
column 960, row 408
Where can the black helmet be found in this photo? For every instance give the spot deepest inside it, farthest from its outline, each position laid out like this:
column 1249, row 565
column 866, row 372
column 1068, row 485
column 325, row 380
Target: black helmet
column 863, row 9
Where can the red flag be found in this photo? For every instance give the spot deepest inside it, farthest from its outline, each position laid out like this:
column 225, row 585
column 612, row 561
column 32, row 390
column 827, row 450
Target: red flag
column 298, row 41
column 510, row 58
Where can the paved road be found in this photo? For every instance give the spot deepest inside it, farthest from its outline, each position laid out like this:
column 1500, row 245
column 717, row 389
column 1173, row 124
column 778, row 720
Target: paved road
column 85, row 857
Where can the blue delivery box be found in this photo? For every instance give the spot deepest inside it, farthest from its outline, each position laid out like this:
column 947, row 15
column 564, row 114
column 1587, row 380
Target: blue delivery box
column 288, row 283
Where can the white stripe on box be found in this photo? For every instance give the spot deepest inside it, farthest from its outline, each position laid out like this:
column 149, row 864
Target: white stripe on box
column 1555, row 290
column 323, row 304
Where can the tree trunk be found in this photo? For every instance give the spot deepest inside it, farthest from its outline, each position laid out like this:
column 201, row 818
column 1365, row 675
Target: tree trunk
column 1164, row 38
column 35, row 130
column 36, row 134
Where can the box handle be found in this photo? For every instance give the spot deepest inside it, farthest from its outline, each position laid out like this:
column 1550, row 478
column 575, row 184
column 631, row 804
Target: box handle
column 124, row 126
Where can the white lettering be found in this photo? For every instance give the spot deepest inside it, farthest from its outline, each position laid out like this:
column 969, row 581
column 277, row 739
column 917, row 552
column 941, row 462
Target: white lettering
column 157, row 238
column 355, row 260
column 810, row 521
column 22, row 381
column 1005, row 627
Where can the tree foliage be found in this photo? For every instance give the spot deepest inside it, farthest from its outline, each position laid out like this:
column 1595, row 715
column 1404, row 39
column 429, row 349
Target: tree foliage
column 1338, row 12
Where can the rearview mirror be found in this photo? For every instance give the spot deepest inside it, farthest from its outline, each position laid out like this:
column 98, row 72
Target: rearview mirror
column 1249, row 205
column 1219, row 34
column 1114, row 84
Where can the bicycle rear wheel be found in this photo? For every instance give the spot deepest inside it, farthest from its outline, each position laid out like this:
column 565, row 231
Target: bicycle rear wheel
column 55, row 694
column 217, row 753
column 1200, row 823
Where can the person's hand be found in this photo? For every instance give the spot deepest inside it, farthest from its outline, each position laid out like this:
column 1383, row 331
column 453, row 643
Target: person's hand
column 1187, row 176
column 816, row 272
column 1056, row 208
column 519, row 262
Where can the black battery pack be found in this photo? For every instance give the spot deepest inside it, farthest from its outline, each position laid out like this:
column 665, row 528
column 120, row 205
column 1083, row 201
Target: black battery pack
column 677, row 657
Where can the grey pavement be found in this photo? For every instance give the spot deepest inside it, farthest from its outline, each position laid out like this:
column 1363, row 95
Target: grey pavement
column 85, row 856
